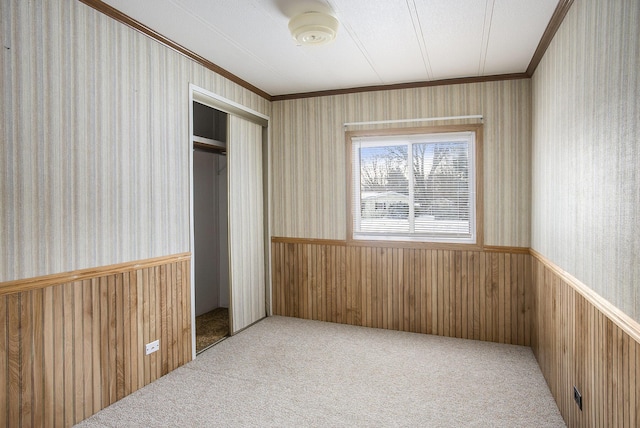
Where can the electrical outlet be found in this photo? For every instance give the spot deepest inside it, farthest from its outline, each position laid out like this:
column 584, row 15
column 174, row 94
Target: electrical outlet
column 152, row 347
column 577, row 397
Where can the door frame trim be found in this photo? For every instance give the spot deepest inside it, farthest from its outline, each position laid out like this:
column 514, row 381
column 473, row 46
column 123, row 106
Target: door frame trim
column 228, row 106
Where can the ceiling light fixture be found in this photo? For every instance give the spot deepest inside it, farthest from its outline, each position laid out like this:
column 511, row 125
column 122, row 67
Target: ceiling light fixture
column 313, row 28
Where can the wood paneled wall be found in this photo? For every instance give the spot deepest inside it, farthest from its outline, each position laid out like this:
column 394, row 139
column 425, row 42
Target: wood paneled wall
column 468, row 294
column 70, row 349
column 499, row 294
column 577, row 343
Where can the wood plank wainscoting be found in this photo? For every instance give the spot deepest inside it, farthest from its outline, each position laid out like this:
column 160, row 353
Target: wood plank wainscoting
column 580, row 339
column 499, row 294
column 72, row 344
column 484, row 295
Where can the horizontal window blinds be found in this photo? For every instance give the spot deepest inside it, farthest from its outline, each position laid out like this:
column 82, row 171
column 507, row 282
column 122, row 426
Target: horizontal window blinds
column 414, row 187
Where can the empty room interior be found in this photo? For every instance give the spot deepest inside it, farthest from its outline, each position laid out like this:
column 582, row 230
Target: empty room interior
column 336, row 185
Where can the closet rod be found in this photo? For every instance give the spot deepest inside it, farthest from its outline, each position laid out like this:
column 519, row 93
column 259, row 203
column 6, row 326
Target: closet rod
column 426, row 119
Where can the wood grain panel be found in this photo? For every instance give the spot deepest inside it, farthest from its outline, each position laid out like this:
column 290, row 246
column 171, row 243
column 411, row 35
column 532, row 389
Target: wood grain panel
column 71, row 349
column 4, row 370
column 578, row 344
column 501, row 296
column 467, row 294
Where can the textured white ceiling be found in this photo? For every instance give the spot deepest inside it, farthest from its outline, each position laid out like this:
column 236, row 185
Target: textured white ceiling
column 379, row 42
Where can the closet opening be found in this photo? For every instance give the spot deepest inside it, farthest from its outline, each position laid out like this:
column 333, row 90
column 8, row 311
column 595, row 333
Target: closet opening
column 229, row 213
column 210, row 217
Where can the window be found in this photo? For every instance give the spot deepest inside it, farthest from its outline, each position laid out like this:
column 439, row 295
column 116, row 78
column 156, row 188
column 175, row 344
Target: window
column 415, row 187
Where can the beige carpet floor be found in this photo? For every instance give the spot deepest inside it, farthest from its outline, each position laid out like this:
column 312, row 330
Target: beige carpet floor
column 287, row 372
column 211, row 327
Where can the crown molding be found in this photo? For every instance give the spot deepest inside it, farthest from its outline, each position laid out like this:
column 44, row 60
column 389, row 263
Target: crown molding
column 554, row 23
column 411, row 85
column 114, row 13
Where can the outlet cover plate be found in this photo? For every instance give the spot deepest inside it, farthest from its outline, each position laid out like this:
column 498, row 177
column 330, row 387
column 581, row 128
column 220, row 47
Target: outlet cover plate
column 152, row 347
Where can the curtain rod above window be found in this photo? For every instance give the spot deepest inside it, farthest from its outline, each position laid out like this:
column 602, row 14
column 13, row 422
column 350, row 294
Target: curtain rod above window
column 426, row 119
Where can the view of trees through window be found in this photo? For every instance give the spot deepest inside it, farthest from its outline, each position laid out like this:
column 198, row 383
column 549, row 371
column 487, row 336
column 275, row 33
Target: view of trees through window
column 415, row 187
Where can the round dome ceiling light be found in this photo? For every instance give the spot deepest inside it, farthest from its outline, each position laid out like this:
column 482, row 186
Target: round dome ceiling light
column 313, row 28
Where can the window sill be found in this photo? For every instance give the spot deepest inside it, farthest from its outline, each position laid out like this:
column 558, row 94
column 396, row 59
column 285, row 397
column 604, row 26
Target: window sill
column 419, row 245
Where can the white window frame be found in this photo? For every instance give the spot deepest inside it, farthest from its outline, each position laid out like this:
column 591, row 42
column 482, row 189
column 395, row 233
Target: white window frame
column 471, row 134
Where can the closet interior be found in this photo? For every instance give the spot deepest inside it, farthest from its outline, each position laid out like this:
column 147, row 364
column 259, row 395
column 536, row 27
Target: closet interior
column 211, row 246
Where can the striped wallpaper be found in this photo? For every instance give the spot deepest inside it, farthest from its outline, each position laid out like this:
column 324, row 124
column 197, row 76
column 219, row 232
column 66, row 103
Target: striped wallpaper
column 94, row 166
column 308, row 154
column 586, row 150
column 246, row 224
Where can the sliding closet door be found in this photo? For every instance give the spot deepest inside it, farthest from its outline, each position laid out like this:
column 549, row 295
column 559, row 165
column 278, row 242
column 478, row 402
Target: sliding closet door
column 246, row 240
